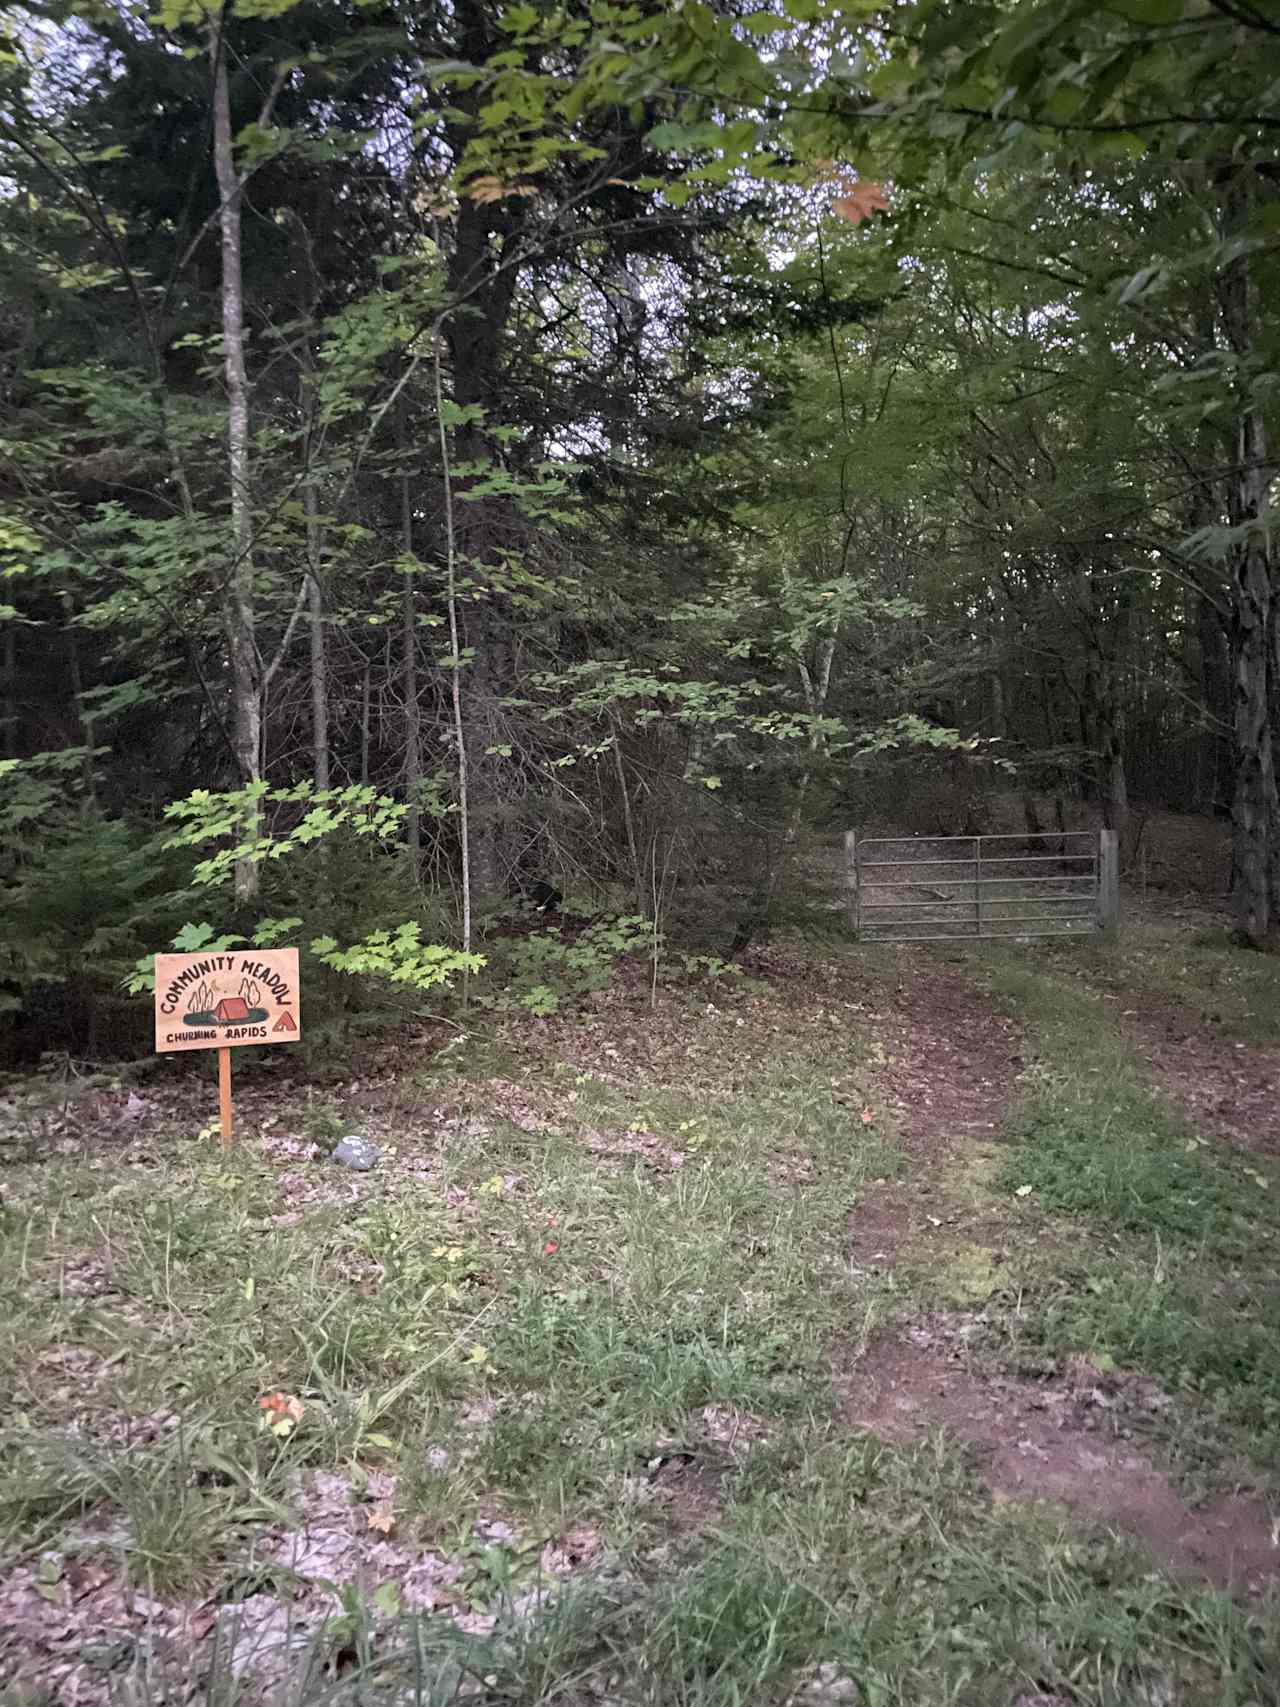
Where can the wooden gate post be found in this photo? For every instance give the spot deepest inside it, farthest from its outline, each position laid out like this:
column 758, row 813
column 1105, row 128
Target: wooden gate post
column 1108, row 880
column 851, row 878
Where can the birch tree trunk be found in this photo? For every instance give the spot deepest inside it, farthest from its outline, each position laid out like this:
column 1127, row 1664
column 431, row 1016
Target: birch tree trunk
column 238, row 595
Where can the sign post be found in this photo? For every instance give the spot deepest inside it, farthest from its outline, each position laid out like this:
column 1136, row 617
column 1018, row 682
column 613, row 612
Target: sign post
column 224, row 1001
column 224, row 1093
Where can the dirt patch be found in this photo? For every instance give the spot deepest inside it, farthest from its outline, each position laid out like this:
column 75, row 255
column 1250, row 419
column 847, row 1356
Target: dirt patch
column 951, row 1060
column 1229, row 1090
column 948, row 1062
column 1064, row 1441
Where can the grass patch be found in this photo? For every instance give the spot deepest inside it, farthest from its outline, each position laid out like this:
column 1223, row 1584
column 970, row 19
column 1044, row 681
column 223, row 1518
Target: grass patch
column 1174, row 1266
column 589, row 1296
column 593, row 1306
column 1204, row 970
column 839, row 1571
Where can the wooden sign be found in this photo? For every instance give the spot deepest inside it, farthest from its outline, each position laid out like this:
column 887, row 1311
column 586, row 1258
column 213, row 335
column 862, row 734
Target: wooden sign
column 224, row 1001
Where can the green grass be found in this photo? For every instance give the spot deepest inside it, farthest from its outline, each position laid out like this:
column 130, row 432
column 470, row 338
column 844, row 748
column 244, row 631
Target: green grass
column 1202, row 969
column 889, row 1570
column 530, row 1313
column 1175, row 1240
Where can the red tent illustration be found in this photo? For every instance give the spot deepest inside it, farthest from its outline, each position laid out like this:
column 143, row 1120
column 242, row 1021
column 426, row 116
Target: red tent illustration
column 286, row 1022
column 231, row 1008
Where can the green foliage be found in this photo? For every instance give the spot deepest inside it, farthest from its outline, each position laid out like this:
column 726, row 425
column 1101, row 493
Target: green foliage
column 399, row 956
column 76, row 890
column 785, row 501
column 300, row 816
column 193, row 938
column 73, row 916
column 347, row 883
column 546, row 968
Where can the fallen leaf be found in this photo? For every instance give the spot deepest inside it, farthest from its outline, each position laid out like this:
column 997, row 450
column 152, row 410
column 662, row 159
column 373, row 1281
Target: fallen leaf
column 867, row 1117
column 381, row 1517
column 282, row 1412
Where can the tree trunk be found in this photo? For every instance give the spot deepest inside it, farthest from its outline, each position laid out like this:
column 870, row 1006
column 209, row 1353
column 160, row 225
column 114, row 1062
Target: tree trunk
column 9, row 713
column 366, row 697
column 1214, row 782
column 409, row 645
column 84, row 722
column 1255, row 809
column 238, row 598
column 315, row 629
column 1105, row 634
column 308, row 405
column 1254, row 805
column 455, row 643
column 1115, row 786
column 482, row 278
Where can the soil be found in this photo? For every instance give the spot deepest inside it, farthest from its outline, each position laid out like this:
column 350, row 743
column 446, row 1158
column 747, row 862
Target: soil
column 1065, row 1442
column 1230, row 1090
column 951, row 1062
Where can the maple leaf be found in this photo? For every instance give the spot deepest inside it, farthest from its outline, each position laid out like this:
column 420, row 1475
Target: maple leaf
column 859, row 199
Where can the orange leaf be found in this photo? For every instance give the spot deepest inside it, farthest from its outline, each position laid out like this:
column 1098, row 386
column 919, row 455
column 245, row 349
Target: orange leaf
column 867, row 1117
column 859, row 200
column 283, row 1405
column 489, row 188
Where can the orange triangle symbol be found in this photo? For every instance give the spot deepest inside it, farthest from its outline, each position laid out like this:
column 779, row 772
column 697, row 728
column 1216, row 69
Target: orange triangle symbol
column 286, row 1022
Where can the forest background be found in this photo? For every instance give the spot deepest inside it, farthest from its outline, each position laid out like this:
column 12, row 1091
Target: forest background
column 451, row 449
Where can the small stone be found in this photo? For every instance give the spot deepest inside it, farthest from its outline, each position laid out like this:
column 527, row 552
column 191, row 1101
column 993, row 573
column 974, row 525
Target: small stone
column 107, row 1653
column 356, row 1152
column 826, row 1684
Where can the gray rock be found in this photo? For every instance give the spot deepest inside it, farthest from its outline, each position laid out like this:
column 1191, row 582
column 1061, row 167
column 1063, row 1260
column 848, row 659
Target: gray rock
column 107, row 1652
column 356, row 1152
column 826, row 1683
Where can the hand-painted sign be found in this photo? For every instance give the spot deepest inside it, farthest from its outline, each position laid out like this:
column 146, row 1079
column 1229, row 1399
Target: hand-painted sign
column 216, row 1001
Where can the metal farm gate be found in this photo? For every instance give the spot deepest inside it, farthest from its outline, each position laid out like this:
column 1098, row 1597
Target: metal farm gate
column 972, row 888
